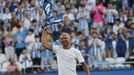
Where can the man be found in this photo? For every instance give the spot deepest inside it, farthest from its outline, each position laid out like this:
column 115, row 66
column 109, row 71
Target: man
column 66, row 55
column 95, row 49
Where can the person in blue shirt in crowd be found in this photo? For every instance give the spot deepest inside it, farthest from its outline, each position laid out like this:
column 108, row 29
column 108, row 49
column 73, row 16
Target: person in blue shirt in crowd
column 131, row 38
column 121, row 43
column 108, row 42
column 84, row 50
column 19, row 38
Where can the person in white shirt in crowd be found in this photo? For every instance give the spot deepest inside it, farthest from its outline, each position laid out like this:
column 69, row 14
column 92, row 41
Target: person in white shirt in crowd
column 83, row 17
column 29, row 40
column 35, row 27
column 40, row 17
column 26, row 20
column 73, row 10
column 69, row 15
column 7, row 15
column 9, row 49
column 117, row 26
column 111, row 14
column 25, row 59
column 95, row 49
column 3, row 59
column 65, row 53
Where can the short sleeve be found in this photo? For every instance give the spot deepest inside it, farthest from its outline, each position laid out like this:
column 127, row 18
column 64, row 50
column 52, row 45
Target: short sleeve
column 55, row 48
column 79, row 57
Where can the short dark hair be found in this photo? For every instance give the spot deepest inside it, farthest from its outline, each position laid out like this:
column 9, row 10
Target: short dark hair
column 31, row 30
column 34, row 20
column 117, row 20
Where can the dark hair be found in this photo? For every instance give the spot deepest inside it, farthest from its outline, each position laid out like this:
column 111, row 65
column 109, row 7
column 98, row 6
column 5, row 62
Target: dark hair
column 34, row 20
column 31, row 30
column 117, row 20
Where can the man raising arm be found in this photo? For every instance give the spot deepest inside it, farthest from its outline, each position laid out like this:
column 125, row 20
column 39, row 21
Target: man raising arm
column 66, row 55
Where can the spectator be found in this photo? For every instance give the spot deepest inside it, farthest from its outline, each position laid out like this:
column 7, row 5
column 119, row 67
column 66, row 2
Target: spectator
column 55, row 27
column 83, row 17
column 69, row 15
column 7, row 15
column 32, row 10
column 117, row 26
column 84, row 50
column 108, row 40
column 40, row 18
column 19, row 38
column 121, row 43
column 67, row 26
column 111, row 14
column 8, row 40
column 29, row 40
column 95, row 49
column 35, row 27
column 25, row 60
column 36, row 54
column 97, row 13
column 9, row 52
column 26, row 20
column 123, row 17
column 19, row 11
column 13, row 67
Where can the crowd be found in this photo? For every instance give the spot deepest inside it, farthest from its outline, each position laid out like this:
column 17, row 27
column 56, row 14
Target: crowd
column 103, row 30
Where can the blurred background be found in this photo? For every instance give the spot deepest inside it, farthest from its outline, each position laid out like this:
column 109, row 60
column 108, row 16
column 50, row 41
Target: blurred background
column 103, row 30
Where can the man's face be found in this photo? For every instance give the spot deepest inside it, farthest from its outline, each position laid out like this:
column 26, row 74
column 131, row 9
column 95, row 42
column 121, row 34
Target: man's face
column 117, row 23
column 110, row 6
column 94, row 35
column 30, row 33
column 65, row 39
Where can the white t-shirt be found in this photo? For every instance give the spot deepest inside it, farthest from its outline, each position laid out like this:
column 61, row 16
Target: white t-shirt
column 31, row 39
column 116, row 28
column 67, row 59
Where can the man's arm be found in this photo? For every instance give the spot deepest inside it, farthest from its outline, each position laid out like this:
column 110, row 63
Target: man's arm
column 85, row 67
column 44, row 40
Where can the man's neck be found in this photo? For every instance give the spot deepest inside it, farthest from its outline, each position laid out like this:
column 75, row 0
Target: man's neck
column 68, row 47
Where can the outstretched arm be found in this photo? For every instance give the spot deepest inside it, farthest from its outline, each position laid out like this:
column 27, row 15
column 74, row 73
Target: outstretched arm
column 44, row 40
column 85, row 67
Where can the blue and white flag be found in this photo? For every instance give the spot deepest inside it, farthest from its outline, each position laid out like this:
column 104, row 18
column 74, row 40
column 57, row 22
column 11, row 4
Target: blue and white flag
column 48, row 11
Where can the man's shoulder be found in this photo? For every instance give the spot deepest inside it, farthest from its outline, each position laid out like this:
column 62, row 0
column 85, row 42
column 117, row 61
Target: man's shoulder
column 75, row 49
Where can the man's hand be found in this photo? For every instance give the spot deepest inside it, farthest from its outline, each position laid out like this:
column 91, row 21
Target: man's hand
column 86, row 68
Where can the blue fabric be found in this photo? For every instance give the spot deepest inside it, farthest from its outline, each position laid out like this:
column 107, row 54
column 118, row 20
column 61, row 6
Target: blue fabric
column 87, row 52
column 21, row 35
column 121, row 46
column 131, row 40
column 12, row 7
column 48, row 11
column 109, row 40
